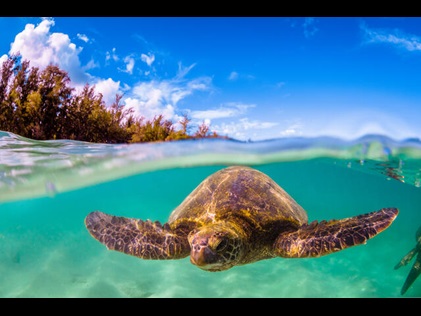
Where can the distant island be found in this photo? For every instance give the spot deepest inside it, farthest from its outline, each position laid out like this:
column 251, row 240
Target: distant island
column 41, row 105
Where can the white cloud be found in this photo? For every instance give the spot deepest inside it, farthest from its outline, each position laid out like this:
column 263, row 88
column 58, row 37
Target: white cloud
column 213, row 114
column 148, row 98
column 246, row 124
column 245, row 129
column 91, row 65
column 111, row 55
column 201, row 83
column 288, row 132
column 148, row 59
column 149, row 109
column 292, row 130
column 40, row 47
column 395, row 38
column 233, row 76
column 183, row 71
column 108, row 88
column 129, row 61
column 229, row 110
column 3, row 59
column 82, row 37
column 152, row 98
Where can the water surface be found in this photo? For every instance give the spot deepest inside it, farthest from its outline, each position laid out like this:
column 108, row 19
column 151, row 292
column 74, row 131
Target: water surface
column 48, row 187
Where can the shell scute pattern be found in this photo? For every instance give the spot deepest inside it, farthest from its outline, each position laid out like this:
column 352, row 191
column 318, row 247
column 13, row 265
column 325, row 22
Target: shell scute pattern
column 236, row 216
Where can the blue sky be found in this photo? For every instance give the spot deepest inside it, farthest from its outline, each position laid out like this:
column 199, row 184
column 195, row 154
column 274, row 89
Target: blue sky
column 250, row 78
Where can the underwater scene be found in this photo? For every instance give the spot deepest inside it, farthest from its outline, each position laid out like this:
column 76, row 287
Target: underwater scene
column 48, row 188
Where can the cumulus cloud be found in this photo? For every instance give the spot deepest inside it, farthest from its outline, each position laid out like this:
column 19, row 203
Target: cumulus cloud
column 152, row 98
column 148, row 59
column 129, row 61
column 108, row 88
column 394, row 38
column 149, row 110
column 231, row 119
column 148, row 98
column 40, row 47
column 82, row 37
column 3, row 59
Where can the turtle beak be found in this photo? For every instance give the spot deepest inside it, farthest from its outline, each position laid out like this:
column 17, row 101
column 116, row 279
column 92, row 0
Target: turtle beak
column 202, row 256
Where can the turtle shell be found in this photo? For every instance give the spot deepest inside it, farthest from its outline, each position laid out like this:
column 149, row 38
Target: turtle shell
column 239, row 192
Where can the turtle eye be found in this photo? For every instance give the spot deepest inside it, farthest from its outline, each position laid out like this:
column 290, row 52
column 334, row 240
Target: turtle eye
column 222, row 245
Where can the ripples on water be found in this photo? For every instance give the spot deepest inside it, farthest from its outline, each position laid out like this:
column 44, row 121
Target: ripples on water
column 48, row 187
column 31, row 168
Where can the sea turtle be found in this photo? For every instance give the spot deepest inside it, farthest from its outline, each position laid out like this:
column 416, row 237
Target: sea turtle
column 236, row 216
column 416, row 268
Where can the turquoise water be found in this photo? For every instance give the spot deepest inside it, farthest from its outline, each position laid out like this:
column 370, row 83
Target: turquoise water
column 47, row 189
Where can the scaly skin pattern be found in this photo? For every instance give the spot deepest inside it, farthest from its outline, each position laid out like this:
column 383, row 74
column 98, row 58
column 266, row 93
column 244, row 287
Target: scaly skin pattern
column 236, row 216
column 143, row 239
column 256, row 207
column 416, row 268
column 325, row 237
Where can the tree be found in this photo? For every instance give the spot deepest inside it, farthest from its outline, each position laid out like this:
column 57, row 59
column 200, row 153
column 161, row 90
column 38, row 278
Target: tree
column 156, row 129
column 6, row 108
column 183, row 132
column 184, row 122
column 41, row 105
column 202, row 131
column 25, row 100
column 76, row 112
column 121, row 120
column 55, row 94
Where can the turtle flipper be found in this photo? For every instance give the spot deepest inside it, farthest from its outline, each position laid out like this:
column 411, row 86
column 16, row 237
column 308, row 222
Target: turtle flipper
column 413, row 274
column 325, row 237
column 143, row 239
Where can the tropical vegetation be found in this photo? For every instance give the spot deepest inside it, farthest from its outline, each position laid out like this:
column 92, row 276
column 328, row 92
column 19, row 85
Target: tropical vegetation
column 40, row 104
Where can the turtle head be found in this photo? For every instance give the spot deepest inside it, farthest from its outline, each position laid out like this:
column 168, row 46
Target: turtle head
column 216, row 247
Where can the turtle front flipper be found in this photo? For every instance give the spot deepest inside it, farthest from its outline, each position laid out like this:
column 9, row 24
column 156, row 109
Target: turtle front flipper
column 325, row 237
column 413, row 274
column 143, row 239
